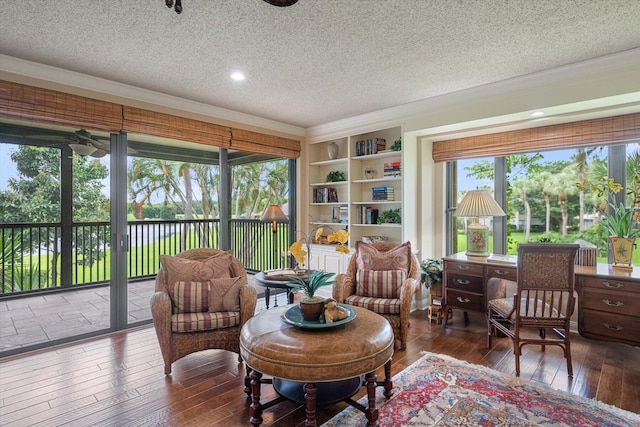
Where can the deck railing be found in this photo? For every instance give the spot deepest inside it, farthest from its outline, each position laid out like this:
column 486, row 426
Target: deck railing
column 34, row 256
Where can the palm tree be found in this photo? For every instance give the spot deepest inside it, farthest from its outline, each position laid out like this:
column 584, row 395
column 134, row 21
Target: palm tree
column 143, row 178
column 542, row 181
column 561, row 186
column 519, row 189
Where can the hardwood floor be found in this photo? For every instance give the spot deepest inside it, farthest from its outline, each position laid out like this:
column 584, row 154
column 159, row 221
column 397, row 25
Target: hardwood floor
column 118, row 380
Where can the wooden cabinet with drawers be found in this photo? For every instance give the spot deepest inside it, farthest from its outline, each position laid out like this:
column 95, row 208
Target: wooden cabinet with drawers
column 465, row 283
column 608, row 299
column 608, row 304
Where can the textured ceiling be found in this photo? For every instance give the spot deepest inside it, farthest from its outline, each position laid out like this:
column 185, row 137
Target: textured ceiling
column 318, row 60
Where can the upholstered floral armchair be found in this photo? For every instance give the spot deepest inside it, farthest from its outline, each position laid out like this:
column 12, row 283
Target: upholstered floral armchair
column 201, row 302
column 382, row 277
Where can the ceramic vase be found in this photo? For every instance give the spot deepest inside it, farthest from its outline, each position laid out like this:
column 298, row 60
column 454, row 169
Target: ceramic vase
column 332, row 150
column 622, row 251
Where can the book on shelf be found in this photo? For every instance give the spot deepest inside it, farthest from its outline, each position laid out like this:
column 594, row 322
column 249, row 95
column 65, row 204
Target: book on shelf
column 367, row 215
column 382, row 193
column 370, row 146
column 325, row 195
column 392, row 169
column 503, row 259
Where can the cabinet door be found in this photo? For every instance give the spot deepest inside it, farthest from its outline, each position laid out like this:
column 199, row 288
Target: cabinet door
column 334, row 263
column 325, row 257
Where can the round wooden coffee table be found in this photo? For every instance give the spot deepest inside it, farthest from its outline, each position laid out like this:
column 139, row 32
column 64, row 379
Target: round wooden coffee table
column 322, row 365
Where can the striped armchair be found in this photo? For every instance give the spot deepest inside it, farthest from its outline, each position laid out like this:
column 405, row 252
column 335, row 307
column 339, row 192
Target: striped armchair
column 201, row 302
column 382, row 277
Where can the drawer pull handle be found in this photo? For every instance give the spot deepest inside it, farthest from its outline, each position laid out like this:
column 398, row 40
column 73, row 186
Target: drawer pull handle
column 463, row 267
column 463, row 300
column 613, row 304
column 462, row 282
column 612, row 286
column 502, row 272
column 612, row 328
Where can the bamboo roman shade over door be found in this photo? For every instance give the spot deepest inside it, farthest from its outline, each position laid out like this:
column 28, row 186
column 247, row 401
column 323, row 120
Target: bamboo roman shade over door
column 33, row 104
column 254, row 142
column 604, row 131
column 21, row 102
column 147, row 122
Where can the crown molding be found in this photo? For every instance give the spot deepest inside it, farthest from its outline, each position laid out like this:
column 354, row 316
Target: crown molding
column 602, row 84
column 46, row 73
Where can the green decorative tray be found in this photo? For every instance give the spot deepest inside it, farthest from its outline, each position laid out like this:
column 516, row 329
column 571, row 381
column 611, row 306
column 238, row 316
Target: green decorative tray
column 292, row 316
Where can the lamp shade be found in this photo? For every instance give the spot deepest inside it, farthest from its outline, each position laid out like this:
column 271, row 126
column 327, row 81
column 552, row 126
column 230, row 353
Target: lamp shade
column 477, row 203
column 273, row 213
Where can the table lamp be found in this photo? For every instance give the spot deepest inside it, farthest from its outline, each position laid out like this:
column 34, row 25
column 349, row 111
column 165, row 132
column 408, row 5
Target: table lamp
column 477, row 203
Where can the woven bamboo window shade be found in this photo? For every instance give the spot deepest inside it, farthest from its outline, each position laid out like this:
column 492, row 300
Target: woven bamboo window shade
column 254, row 142
column 147, row 122
column 33, row 104
column 603, row 131
column 21, row 102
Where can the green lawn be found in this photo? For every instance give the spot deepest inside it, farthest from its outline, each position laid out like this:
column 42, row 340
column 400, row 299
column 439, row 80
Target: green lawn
column 519, row 238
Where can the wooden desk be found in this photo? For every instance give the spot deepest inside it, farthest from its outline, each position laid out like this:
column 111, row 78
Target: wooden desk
column 608, row 299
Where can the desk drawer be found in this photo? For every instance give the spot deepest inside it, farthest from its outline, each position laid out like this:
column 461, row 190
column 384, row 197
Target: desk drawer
column 611, row 302
column 465, row 282
column 464, row 301
column 502, row 272
column 465, row 268
column 624, row 328
column 610, row 284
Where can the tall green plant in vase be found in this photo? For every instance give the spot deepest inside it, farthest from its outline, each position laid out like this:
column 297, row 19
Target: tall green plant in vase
column 621, row 222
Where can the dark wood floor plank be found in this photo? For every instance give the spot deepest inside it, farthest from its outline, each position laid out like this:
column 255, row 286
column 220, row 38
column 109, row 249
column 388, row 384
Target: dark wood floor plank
column 610, row 387
column 119, row 379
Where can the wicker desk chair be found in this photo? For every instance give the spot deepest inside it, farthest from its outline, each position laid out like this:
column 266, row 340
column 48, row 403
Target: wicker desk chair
column 544, row 300
column 395, row 310
column 175, row 345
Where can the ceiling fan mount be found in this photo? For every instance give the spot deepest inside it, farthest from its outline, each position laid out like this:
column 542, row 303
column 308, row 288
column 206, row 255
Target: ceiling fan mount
column 281, row 3
column 87, row 145
column 177, row 4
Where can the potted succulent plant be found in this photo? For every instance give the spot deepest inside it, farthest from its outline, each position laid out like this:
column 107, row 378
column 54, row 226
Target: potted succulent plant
column 311, row 306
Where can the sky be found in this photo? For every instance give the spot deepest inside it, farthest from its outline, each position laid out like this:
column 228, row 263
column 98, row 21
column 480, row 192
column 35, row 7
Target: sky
column 8, row 169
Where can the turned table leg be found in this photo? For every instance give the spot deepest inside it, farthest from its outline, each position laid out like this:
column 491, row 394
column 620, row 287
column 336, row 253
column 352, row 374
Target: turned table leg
column 372, row 411
column 388, row 385
column 247, row 381
column 256, row 406
column 310, row 394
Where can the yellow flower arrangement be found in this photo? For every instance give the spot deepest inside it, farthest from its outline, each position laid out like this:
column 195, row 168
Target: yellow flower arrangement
column 300, row 249
column 298, row 252
column 341, row 237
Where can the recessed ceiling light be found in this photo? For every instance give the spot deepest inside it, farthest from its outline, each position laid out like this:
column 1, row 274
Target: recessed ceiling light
column 237, row 76
column 537, row 114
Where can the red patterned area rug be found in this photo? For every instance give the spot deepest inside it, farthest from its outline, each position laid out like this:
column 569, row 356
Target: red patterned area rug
column 438, row 390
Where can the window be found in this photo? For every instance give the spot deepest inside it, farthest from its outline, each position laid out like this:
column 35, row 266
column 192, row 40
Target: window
column 550, row 195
